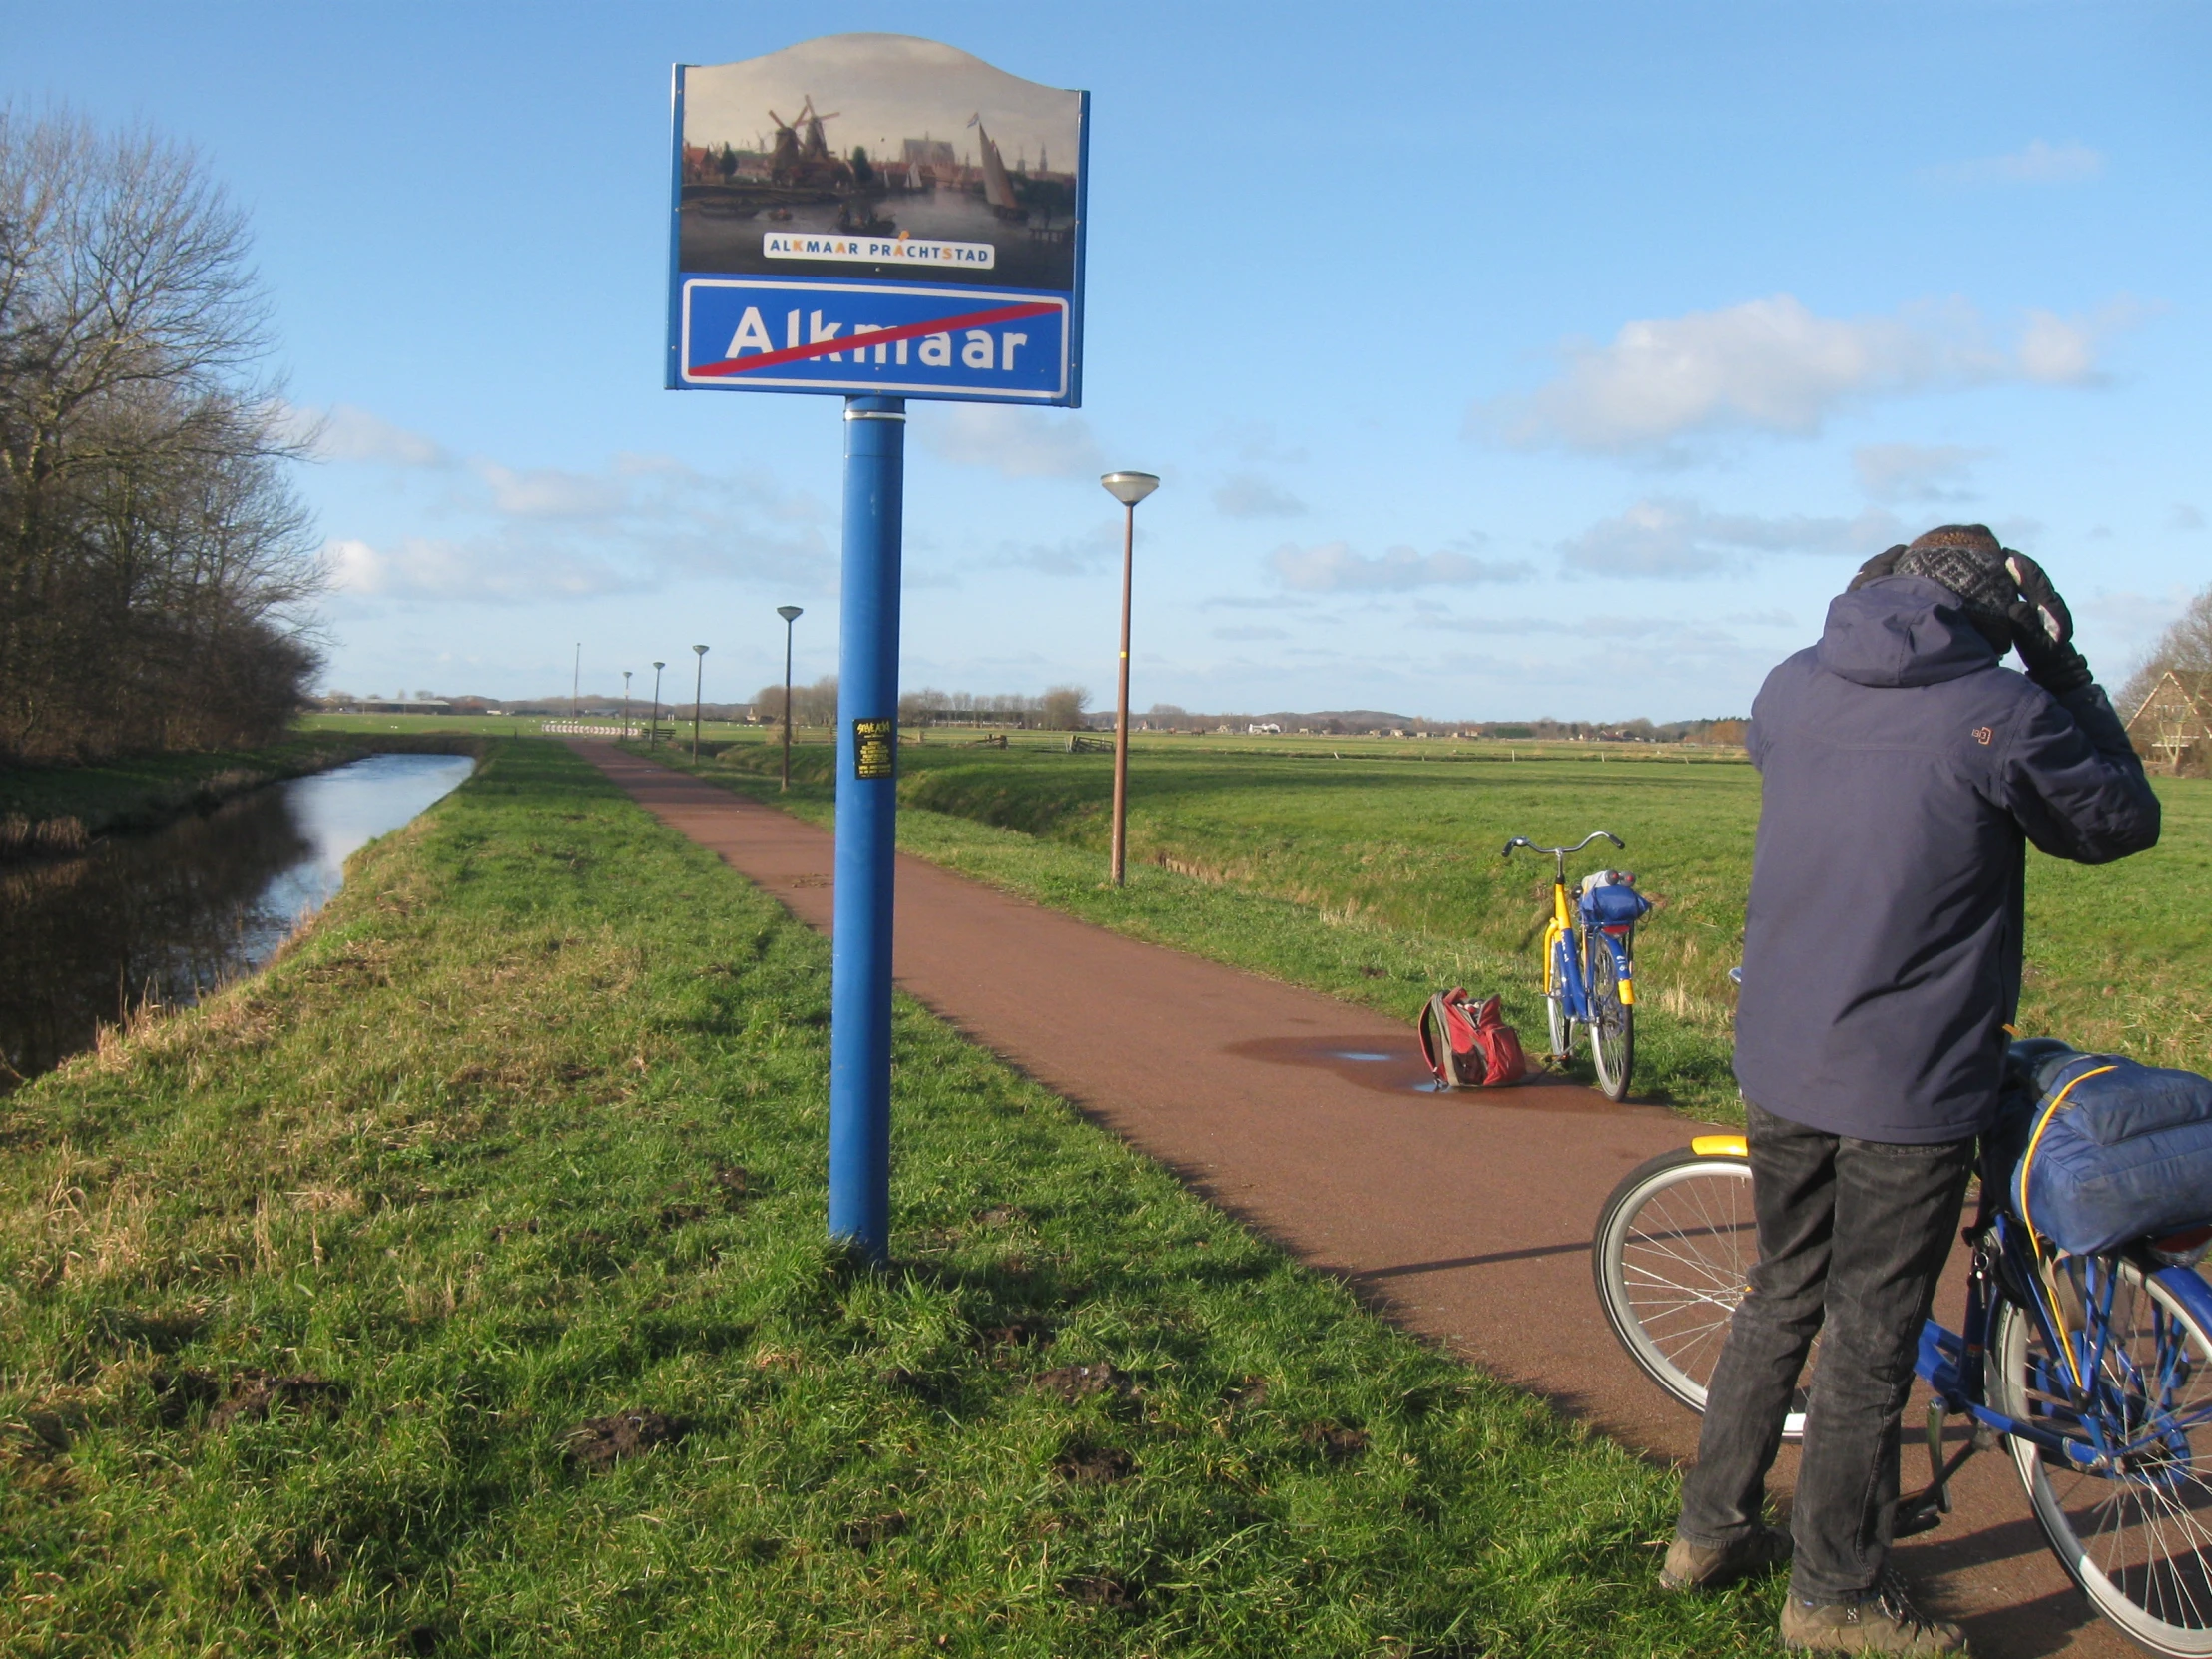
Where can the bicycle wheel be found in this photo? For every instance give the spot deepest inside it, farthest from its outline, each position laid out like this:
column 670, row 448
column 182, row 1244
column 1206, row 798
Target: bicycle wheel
column 1555, row 997
column 1612, row 1022
column 2137, row 1538
column 1673, row 1247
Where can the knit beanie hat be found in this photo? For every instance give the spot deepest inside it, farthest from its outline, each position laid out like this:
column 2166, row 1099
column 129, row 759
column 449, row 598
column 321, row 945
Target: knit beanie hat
column 1969, row 561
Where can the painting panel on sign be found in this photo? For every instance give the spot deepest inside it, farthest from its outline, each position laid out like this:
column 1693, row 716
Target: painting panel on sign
column 884, row 155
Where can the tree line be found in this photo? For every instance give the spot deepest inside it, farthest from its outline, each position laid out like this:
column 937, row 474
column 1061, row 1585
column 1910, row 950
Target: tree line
column 155, row 565
column 1059, row 710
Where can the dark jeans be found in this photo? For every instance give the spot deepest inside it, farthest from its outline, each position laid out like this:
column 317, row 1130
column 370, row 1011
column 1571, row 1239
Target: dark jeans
column 1852, row 1234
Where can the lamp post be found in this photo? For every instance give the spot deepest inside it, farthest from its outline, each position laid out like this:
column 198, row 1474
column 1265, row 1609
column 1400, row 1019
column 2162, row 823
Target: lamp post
column 1128, row 488
column 576, row 685
column 698, row 680
column 626, row 702
column 652, row 733
column 790, row 614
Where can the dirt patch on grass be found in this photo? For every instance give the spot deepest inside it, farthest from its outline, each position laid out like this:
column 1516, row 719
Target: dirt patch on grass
column 866, row 1534
column 1334, row 1442
column 602, row 1442
column 1100, row 1589
column 255, row 1396
column 1094, row 1465
column 1074, row 1383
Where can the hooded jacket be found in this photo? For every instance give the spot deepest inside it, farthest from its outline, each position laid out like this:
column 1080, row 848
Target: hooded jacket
column 1904, row 772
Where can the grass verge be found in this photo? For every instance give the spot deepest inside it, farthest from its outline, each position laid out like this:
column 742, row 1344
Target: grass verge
column 459, row 1287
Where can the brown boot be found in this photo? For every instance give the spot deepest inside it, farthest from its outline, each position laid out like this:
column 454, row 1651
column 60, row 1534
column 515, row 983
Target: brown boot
column 1701, row 1567
column 1884, row 1620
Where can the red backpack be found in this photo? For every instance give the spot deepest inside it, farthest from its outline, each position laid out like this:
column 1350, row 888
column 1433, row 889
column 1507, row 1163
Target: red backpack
column 1468, row 1044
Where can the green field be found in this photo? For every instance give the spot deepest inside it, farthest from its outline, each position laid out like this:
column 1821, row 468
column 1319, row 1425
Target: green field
column 1382, row 880
column 305, row 1294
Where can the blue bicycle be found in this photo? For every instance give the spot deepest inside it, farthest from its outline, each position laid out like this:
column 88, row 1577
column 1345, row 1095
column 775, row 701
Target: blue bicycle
column 1589, row 966
column 2095, row 1371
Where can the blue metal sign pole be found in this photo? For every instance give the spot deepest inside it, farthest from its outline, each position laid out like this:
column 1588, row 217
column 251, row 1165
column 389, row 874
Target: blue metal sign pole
column 867, row 764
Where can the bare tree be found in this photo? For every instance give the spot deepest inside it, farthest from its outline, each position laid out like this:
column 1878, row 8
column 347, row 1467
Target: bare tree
column 2185, row 648
column 155, row 564
column 1063, row 707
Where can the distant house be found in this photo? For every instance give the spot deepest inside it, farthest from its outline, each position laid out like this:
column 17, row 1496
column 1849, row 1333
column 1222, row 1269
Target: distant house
column 1265, row 726
column 2172, row 731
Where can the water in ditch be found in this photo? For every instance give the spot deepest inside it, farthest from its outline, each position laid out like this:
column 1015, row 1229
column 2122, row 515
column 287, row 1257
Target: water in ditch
column 172, row 915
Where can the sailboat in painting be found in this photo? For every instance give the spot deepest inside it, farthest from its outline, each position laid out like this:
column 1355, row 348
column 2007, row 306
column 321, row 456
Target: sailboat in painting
column 998, row 189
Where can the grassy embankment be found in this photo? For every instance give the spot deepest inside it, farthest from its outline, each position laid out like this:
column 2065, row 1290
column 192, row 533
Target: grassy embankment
column 304, row 1292
column 58, row 810
column 1380, row 882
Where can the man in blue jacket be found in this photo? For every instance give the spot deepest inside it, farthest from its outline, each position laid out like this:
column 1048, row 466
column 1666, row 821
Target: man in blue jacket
column 1905, row 771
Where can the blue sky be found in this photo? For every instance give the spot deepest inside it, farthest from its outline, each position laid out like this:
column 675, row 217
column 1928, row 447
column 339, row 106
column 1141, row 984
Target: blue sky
column 1498, row 360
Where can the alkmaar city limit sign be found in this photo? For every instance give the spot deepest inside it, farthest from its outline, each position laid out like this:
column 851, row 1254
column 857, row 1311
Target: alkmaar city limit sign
column 877, row 214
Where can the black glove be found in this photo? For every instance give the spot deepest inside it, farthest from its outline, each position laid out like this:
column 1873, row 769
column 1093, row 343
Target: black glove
column 1880, row 565
column 2043, row 629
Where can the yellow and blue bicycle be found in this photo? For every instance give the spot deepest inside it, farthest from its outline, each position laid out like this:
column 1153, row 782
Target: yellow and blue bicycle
column 1589, row 964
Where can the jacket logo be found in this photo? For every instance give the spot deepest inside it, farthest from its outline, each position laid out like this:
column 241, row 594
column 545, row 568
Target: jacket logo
column 1982, row 735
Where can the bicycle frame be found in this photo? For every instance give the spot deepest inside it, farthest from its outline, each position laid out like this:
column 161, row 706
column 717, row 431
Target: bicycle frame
column 1953, row 1364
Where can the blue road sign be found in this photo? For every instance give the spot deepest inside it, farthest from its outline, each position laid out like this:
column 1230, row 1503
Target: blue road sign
column 758, row 333
column 877, row 182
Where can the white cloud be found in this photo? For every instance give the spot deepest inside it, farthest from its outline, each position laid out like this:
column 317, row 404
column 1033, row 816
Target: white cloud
column 538, row 533
column 2184, row 519
column 343, row 432
column 1250, row 634
column 1077, row 555
column 1772, row 366
column 419, row 567
column 1247, row 495
column 1916, row 471
column 550, row 492
column 1020, row 443
column 1256, row 602
column 1664, row 536
column 2040, row 163
column 1333, row 567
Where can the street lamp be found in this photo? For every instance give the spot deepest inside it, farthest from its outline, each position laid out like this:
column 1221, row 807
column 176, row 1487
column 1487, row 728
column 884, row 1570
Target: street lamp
column 653, row 732
column 1128, row 488
column 576, row 685
column 790, row 614
column 626, row 702
column 698, row 680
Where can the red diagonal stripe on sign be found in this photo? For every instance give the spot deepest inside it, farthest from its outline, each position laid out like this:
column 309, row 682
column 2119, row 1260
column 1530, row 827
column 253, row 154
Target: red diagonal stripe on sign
column 878, row 337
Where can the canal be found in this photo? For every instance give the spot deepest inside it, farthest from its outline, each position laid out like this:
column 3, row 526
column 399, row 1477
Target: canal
column 171, row 915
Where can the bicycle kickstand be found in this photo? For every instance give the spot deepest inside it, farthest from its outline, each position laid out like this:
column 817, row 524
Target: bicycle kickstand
column 1925, row 1510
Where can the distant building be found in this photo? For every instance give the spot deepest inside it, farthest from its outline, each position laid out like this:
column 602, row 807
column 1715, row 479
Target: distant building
column 2172, row 730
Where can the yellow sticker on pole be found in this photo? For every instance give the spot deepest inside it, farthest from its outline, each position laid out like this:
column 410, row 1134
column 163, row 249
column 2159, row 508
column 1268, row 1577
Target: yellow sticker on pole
column 874, row 747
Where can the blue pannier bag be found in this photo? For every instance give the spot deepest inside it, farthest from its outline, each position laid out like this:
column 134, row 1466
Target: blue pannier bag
column 2101, row 1150
column 1616, row 905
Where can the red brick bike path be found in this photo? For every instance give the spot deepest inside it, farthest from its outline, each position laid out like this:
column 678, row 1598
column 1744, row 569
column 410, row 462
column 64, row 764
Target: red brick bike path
column 1464, row 1218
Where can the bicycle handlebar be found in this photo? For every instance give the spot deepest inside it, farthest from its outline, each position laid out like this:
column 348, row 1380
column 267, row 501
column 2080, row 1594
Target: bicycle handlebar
column 1562, row 851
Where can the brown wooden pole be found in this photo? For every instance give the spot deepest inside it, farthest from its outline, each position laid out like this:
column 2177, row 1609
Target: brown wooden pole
column 1121, row 704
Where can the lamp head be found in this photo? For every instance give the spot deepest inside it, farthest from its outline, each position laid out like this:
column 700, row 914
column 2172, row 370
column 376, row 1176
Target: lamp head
column 659, row 665
column 1129, row 488
column 700, row 649
column 790, row 613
